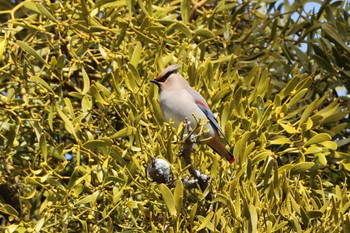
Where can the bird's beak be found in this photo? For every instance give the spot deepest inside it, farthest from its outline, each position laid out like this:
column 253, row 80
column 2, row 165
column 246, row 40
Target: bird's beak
column 154, row 81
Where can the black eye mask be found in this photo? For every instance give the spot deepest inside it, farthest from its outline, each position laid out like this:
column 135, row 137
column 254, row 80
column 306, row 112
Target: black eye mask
column 166, row 76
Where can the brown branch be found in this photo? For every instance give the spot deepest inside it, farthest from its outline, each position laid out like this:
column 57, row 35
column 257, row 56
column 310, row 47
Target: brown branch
column 185, row 153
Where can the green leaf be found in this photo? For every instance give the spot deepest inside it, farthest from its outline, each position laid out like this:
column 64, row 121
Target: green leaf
column 43, row 147
column 82, row 49
column 78, row 176
column 30, row 51
column 253, row 215
column 41, row 82
column 178, row 25
column 334, row 36
column 288, row 128
column 9, row 210
column 314, row 214
column 142, row 37
column 279, row 141
column 109, row 3
column 291, row 85
column 206, row 221
column 88, row 199
column 86, row 104
column 102, row 89
column 97, row 95
column 45, row 12
column 2, row 48
column 205, row 33
column 313, row 149
column 319, row 51
column 15, row 228
column 301, row 167
column 157, row 112
column 185, row 7
column 125, row 132
column 178, row 196
column 297, row 97
column 343, row 142
column 241, row 145
column 308, row 112
column 346, row 166
column 261, row 156
column 50, row 116
column 135, row 58
column 323, row 63
column 321, row 159
column 86, row 81
column 39, row 224
column 193, row 213
column 67, row 123
column 330, row 145
column 94, row 144
column 322, row 137
column 169, row 200
column 336, row 116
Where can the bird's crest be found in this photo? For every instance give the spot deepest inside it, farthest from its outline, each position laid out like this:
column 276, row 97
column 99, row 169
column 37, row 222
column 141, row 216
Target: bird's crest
column 162, row 77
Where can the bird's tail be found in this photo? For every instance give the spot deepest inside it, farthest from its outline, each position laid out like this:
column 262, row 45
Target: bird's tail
column 231, row 158
column 218, row 146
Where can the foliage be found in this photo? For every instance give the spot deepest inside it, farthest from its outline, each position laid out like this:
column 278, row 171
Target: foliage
column 80, row 122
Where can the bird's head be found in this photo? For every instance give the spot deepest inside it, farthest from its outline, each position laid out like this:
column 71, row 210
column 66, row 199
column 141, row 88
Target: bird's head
column 165, row 77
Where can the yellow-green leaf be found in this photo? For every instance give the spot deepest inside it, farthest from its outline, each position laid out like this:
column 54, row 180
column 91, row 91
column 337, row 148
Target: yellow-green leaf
column 204, row 33
column 41, row 82
column 178, row 195
column 185, row 7
column 45, row 12
column 93, row 144
column 321, row 158
column 39, row 224
column 297, row 97
column 288, row 128
column 2, row 48
column 97, row 96
column 193, row 213
column 301, row 167
column 86, row 81
column 313, row 149
column 125, row 132
column 7, row 209
column 43, row 147
column 30, row 51
column 68, row 124
column 279, row 141
column 322, row 137
column 169, row 200
column 135, row 58
column 206, row 221
column 330, row 145
column 253, row 218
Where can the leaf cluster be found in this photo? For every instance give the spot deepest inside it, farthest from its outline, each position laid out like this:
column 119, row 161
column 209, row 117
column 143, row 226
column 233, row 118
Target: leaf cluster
column 80, row 122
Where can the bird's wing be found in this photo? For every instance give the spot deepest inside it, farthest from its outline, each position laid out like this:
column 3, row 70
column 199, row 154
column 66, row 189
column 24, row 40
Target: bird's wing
column 210, row 115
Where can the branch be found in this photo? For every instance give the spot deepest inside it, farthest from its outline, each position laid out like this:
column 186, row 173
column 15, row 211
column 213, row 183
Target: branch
column 185, row 153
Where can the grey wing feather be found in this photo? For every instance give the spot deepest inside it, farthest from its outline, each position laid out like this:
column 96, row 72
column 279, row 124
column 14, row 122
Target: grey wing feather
column 212, row 120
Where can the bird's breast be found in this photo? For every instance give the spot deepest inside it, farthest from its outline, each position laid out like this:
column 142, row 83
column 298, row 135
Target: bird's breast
column 180, row 105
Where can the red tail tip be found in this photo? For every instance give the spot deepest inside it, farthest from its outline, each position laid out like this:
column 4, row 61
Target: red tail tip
column 232, row 160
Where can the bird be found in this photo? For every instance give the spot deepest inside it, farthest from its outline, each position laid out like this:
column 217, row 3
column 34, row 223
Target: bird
column 179, row 101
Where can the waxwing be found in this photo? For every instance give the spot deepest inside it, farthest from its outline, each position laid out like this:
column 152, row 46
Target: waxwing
column 179, row 101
